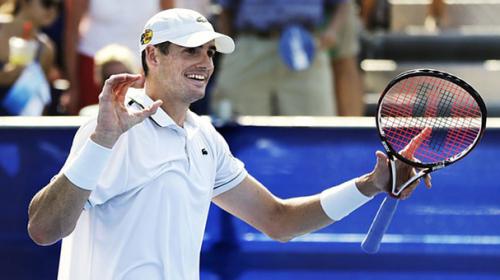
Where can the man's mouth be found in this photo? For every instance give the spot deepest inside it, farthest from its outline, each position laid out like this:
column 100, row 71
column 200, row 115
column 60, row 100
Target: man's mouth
column 197, row 77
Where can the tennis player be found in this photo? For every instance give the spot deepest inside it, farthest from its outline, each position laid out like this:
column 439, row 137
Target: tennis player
column 132, row 199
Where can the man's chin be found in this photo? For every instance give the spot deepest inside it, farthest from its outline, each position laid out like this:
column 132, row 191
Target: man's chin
column 195, row 96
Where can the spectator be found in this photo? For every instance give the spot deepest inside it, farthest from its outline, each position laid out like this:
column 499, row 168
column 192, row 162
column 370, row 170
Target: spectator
column 91, row 25
column 113, row 59
column 201, row 6
column 344, row 61
column 6, row 8
column 110, row 60
column 26, row 58
column 437, row 16
column 254, row 78
column 375, row 14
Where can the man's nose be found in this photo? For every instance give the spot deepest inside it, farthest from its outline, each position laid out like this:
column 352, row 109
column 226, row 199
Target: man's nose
column 207, row 62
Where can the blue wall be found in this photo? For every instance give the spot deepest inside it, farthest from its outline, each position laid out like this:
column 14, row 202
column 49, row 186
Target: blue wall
column 450, row 232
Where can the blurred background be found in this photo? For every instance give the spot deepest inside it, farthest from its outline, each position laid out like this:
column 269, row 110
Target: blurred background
column 370, row 42
column 460, row 37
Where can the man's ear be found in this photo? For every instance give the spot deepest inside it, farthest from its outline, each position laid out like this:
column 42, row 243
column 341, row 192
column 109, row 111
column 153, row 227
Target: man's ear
column 151, row 55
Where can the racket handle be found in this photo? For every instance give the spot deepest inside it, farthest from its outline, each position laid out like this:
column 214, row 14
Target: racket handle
column 379, row 226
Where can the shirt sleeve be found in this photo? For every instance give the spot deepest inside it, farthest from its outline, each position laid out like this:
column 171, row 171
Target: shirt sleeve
column 230, row 171
column 113, row 183
column 81, row 136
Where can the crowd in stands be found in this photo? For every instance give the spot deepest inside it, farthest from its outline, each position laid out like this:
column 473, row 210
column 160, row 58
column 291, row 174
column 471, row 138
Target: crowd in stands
column 293, row 57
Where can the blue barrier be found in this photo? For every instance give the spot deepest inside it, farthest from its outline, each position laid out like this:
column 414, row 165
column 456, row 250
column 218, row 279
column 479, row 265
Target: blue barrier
column 450, row 232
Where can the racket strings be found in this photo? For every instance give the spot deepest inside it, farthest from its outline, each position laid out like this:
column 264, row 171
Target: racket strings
column 418, row 102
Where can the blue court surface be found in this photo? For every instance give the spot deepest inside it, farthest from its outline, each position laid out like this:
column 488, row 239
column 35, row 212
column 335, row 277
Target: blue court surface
column 449, row 232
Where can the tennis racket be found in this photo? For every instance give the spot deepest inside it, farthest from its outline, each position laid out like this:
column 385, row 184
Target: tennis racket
column 427, row 119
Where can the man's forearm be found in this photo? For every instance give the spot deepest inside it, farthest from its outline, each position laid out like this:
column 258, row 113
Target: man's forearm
column 54, row 211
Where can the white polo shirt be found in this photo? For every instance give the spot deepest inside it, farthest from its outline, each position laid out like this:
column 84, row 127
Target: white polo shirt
column 147, row 217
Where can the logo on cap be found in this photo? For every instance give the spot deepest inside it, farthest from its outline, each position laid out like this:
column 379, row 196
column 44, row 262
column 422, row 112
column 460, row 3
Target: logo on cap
column 201, row 19
column 146, row 36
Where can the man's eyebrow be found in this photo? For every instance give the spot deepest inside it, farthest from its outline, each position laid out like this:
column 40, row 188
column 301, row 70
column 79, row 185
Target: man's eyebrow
column 200, row 47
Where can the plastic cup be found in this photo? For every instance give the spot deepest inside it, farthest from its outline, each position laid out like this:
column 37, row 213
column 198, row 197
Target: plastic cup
column 21, row 51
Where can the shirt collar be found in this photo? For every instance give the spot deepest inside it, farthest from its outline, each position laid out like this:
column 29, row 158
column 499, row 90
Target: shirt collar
column 160, row 118
column 139, row 97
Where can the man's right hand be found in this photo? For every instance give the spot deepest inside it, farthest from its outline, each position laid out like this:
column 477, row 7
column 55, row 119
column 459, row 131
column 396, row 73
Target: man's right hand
column 114, row 118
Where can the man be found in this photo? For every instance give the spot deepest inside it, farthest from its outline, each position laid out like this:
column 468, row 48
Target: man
column 131, row 202
column 348, row 83
column 257, row 72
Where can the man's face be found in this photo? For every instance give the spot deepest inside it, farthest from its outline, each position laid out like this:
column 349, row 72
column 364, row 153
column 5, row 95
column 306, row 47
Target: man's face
column 184, row 72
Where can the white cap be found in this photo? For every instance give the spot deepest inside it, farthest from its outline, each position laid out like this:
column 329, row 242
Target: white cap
column 185, row 28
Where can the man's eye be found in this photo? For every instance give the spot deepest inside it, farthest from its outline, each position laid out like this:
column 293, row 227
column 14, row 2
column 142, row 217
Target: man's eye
column 191, row 50
column 211, row 53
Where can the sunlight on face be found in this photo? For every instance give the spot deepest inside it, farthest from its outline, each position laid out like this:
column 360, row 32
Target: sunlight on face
column 185, row 72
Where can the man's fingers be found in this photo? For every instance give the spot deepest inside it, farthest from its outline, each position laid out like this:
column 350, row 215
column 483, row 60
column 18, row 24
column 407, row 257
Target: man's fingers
column 154, row 107
column 120, row 92
column 116, row 83
column 409, row 190
column 381, row 172
column 381, row 159
column 427, row 181
column 121, row 87
column 406, row 171
column 146, row 112
column 117, row 79
column 415, row 143
column 139, row 83
column 117, row 86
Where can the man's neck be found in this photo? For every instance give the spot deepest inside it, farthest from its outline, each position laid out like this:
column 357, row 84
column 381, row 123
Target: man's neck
column 175, row 110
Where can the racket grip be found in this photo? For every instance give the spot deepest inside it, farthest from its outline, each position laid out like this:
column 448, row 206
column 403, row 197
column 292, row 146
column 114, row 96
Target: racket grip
column 379, row 226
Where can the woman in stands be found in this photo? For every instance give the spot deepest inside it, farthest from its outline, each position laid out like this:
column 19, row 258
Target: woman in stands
column 24, row 89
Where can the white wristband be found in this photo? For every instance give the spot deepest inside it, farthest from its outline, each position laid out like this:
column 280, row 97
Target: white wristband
column 341, row 200
column 86, row 168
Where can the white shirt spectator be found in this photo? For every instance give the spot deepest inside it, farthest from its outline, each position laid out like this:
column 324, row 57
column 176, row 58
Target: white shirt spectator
column 115, row 22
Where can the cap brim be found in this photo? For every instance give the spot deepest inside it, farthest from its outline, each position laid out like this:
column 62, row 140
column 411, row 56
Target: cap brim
column 223, row 43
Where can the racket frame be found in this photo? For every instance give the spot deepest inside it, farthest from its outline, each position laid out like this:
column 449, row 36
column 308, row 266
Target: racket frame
column 425, row 168
column 380, row 223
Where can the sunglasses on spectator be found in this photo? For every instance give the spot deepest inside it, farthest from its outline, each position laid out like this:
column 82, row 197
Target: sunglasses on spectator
column 47, row 4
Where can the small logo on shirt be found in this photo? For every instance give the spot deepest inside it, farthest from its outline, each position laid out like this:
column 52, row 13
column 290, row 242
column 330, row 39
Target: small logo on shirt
column 204, row 152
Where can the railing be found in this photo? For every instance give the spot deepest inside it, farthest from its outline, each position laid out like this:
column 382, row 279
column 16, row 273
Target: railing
column 453, row 229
